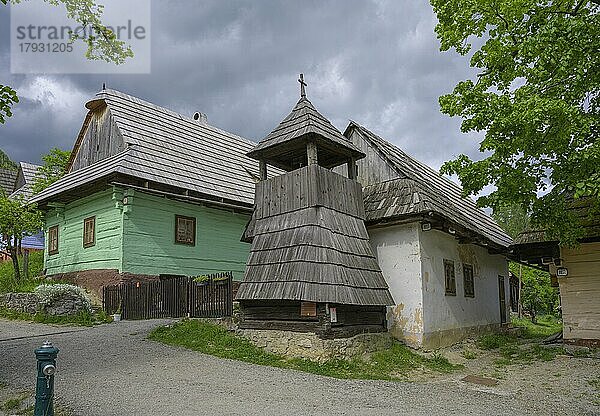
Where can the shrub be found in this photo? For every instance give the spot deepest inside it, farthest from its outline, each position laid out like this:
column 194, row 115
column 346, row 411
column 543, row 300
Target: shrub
column 50, row 293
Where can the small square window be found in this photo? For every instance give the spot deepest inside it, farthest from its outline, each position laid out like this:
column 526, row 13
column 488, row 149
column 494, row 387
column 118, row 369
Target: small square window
column 468, row 281
column 89, row 232
column 53, row 240
column 450, row 277
column 185, row 230
column 308, row 309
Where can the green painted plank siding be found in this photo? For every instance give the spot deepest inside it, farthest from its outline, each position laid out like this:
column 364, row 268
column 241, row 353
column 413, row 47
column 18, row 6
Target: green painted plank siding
column 72, row 256
column 149, row 239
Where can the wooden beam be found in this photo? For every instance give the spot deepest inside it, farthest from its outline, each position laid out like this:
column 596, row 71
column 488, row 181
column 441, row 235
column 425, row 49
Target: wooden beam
column 352, row 168
column 311, row 152
column 262, row 167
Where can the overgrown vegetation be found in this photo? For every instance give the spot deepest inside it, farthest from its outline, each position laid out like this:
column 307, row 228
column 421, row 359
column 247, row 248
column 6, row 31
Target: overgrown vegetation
column 394, row 363
column 544, row 327
column 537, row 294
column 5, row 162
column 8, row 282
column 84, row 318
column 17, row 220
column 524, row 348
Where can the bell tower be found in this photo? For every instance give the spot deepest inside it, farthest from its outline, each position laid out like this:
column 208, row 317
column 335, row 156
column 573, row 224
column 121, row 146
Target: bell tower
column 311, row 267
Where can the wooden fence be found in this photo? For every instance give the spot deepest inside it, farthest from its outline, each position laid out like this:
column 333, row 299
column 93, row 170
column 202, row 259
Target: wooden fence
column 174, row 297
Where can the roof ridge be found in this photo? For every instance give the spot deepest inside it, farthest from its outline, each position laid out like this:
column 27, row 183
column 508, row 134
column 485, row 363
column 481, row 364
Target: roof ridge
column 172, row 113
column 449, row 194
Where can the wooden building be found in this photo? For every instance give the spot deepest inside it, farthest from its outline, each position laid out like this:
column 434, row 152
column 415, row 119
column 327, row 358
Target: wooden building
column 576, row 271
column 311, row 267
column 148, row 192
column 443, row 258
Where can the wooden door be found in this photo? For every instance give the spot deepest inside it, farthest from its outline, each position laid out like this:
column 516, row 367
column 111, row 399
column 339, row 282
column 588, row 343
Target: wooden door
column 502, row 297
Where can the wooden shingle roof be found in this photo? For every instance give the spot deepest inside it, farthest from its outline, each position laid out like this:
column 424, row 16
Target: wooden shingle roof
column 304, row 121
column 7, row 180
column 24, row 181
column 171, row 149
column 310, row 242
column 419, row 190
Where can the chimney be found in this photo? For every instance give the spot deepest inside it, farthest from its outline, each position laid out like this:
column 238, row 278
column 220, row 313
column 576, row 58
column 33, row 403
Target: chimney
column 200, row 118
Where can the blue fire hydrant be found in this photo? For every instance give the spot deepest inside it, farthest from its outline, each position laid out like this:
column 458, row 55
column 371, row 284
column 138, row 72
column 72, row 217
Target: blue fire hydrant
column 44, row 391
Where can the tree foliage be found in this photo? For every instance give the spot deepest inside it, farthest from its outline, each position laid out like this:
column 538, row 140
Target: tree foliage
column 8, row 97
column 53, row 168
column 537, row 294
column 17, row 220
column 512, row 218
column 536, row 100
column 102, row 43
column 5, row 162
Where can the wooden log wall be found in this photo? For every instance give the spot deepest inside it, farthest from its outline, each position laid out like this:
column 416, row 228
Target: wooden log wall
column 310, row 186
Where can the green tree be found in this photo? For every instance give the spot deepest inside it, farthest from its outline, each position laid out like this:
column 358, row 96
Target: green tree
column 536, row 100
column 8, row 97
column 6, row 163
column 102, row 43
column 512, row 218
column 537, row 295
column 53, row 168
column 17, row 220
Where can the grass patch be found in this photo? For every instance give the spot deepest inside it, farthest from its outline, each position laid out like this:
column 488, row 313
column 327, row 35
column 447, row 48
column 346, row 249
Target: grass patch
column 392, row 364
column 7, row 274
column 546, row 325
column 524, row 348
column 12, row 404
column 9, row 284
column 81, row 319
column 468, row 354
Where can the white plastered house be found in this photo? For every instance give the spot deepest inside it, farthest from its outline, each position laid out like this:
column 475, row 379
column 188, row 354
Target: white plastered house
column 443, row 257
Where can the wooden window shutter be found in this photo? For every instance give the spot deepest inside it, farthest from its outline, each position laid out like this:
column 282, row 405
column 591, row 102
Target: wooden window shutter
column 89, row 232
column 450, row 277
column 185, row 230
column 53, row 240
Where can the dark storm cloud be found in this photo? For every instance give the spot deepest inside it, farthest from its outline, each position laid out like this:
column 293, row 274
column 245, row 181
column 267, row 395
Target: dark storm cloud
column 376, row 62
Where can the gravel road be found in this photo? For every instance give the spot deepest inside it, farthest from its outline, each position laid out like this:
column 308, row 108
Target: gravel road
column 113, row 370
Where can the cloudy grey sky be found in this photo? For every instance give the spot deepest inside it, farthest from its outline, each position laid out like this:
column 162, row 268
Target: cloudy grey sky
column 376, row 62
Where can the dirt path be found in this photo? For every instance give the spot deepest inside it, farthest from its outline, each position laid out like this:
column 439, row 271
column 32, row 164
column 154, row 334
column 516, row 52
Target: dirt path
column 113, row 370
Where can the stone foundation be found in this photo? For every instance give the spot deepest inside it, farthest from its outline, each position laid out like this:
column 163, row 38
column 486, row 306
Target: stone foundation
column 95, row 280
column 310, row 346
column 448, row 337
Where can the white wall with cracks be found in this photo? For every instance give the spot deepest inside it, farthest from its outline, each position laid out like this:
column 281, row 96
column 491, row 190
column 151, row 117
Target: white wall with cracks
column 424, row 316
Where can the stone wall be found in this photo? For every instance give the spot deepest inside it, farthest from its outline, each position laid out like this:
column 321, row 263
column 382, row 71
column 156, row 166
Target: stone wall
column 30, row 303
column 20, row 302
column 308, row 345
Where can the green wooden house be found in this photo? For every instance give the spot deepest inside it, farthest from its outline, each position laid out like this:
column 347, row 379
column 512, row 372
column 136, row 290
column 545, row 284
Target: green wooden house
column 148, row 192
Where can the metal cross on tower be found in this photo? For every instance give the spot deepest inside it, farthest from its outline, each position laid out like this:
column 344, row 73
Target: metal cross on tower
column 302, row 85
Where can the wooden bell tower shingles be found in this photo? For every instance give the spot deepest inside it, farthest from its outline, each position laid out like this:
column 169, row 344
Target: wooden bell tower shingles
column 310, row 246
